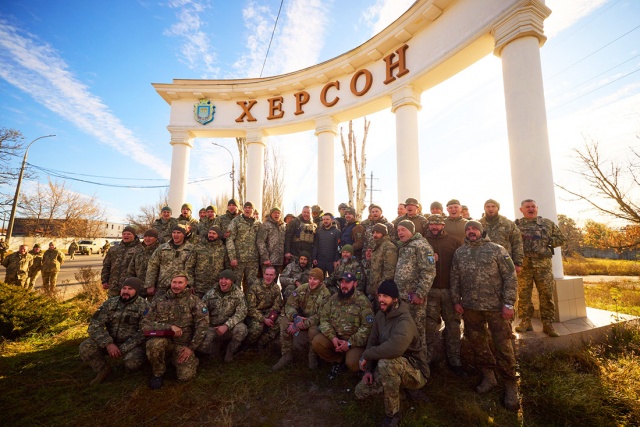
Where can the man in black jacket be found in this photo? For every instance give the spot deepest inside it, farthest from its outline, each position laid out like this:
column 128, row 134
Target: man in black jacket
column 325, row 245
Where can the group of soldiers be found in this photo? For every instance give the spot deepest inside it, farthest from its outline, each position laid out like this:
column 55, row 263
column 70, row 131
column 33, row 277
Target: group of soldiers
column 24, row 267
column 366, row 296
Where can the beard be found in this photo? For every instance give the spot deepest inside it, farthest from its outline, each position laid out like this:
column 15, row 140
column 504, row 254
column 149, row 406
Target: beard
column 347, row 295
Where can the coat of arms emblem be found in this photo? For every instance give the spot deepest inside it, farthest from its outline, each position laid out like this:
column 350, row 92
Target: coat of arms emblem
column 203, row 111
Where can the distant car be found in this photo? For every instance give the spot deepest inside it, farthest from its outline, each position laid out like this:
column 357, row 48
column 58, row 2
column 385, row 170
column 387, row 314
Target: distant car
column 88, row 247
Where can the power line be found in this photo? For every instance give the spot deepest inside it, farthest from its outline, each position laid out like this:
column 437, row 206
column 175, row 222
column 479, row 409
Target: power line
column 593, row 18
column 94, row 176
column 271, row 39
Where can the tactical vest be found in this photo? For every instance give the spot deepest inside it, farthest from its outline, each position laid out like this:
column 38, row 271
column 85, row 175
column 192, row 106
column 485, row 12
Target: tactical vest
column 345, row 236
column 536, row 241
column 305, row 233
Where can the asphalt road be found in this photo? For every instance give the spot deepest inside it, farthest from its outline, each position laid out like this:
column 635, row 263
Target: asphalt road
column 68, row 286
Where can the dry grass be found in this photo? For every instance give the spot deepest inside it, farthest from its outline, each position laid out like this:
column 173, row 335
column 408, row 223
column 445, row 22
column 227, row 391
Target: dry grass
column 580, row 266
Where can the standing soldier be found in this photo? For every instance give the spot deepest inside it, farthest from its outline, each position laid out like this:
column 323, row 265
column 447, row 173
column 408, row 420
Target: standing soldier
column 325, row 245
column 420, row 224
column 36, row 266
column 73, row 248
column 4, row 247
column 270, row 241
column 342, row 208
column 169, row 259
column 264, row 304
column 208, row 221
column 227, row 310
column 454, row 223
column 539, row 237
column 299, row 235
column 502, row 231
column 116, row 262
column 483, row 289
column 115, row 330
column 352, row 233
column 17, row 265
column 242, row 248
column 380, row 262
column 164, row 225
column 140, row 261
column 207, row 261
column 436, row 208
column 177, row 310
column 187, row 220
column 223, row 221
column 51, row 262
column 105, row 248
column 316, row 214
column 295, row 274
column 347, row 264
column 414, row 272
column 375, row 217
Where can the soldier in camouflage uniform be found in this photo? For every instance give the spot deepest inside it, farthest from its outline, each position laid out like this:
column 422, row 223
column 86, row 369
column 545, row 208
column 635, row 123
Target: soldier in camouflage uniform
column 188, row 221
column 454, row 223
column 295, row 274
column 539, row 236
column 223, row 221
column 380, row 260
column 206, row 261
column 164, row 225
column 502, row 231
column 17, row 265
column 115, row 331
column 264, row 304
column 140, row 261
column 395, row 356
column 375, row 217
column 348, row 263
column 270, row 241
column 352, row 233
column 345, row 324
column 420, row 224
column 208, row 221
column 180, row 311
column 299, row 235
column 227, row 310
column 483, row 289
column 414, row 272
column 167, row 260
column 436, row 208
column 36, row 266
column 242, row 248
column 299, row 325
column 116, row 263
column 4, row 247
column 51, row 262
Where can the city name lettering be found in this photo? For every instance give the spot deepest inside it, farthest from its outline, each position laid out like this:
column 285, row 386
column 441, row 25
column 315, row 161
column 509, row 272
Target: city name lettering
column 395, row 68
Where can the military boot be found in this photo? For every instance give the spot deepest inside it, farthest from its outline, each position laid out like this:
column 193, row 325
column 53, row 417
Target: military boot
column 488, row 381
column 511, row 398
column 524, row 326
column 393, row 421
column 231, row 350
column 286, row 359
column 548, row 329
column 102, row 375
column 313, row 359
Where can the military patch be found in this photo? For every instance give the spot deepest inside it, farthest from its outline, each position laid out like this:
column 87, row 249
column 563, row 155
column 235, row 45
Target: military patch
column 432, row 259
column 204, row 310
column 295, row 294
column 145, row 312
column 507, row 257
column 369, row 318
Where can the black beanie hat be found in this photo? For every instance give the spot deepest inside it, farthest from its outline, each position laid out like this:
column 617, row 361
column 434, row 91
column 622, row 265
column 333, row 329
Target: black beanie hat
column 389, row 288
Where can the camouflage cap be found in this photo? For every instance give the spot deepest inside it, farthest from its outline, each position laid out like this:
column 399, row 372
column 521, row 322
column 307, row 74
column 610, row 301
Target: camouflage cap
column 227, row 274
column 436, row 205
column 464, row 208
column 453, row 202
column 373, row 206
column 343, row 206
column 381, row 228
column 492, row 201
column 348, row 248
column 408, row 225
column 180, row 274
column 166, row 208
column 316, row 209
column 411, row 201
column 475, row 224
column 275, row 209
column 317, row 273
column 351, row 210
column 186, row 206
column 436, row 219
column 133, row 282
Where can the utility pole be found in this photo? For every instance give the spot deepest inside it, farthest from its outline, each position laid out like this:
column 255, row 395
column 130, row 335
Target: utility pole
column 371, row 189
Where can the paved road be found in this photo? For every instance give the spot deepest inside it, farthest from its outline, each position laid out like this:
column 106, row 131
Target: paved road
column 67, row 283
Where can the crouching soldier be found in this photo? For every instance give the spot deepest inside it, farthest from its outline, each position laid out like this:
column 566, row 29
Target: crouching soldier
column 227, row 310
column 264, row 303
column 177, row 322
column 115, row 330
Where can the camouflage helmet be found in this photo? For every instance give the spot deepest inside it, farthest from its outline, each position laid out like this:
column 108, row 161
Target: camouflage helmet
column 436, row 219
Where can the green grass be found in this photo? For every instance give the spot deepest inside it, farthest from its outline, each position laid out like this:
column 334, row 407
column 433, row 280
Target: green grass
column 619, row 296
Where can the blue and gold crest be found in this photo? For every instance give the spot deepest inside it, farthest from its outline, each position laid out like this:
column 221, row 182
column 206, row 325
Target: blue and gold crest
column 203, row 111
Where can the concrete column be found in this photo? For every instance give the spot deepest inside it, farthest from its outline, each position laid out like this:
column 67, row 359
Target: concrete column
column 326, row 131
column 182, row 143
column 518, row 38
column 406, row 104
column 255, row 167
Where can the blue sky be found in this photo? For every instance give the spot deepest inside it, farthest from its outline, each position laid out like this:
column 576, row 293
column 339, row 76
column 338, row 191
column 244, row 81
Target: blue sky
column 83, row 71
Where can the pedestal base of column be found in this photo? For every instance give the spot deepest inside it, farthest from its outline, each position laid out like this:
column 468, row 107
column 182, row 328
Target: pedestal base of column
column 568, row 298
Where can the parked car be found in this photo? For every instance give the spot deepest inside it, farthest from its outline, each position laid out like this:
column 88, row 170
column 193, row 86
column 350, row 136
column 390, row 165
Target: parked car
column 88, row 247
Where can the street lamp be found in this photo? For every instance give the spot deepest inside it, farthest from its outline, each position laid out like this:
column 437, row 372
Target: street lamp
column 12, row 217
column 233, row 171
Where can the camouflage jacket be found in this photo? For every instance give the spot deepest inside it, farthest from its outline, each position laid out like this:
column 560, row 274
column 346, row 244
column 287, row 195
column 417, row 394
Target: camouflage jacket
column 17, row 266
column 421, row 223
column 223, row 221
column 184, row 310
column 483, row 276
column 416, row 267
column 164, row 228
column 270, row 241
column 241, row 244
column 204, row 225
column 368, row 230
column 120, row 323
column 294, row 273
column 225, row 308
column 205, row 263
column 36, row 266
column 191, row 221
column 382, row 265
column 116, row 263
column 164, row 263
column 307, row 303
column 539, row 237
column 348, row 319
column 52, row 259
column 505, row 233
column 351, row 266
column 262, row 299
column 140, row 261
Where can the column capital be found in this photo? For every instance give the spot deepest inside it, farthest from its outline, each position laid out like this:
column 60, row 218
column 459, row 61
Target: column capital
column 181, row 136
column 326, row 124
column 405, row 95
column 524, row 20
column 256, row 136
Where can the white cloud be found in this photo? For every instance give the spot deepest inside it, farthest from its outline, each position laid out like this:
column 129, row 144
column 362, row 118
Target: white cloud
column 384, row 12
column 566, row 13
column 37, row 69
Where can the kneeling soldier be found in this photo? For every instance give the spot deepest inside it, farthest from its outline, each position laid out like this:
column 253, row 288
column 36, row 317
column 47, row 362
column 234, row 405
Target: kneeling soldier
column 264, row 304
column 115, row 330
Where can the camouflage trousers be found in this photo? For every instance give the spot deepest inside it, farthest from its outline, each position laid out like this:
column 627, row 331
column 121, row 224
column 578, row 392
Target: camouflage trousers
column 49, row 280
column 31, row 281
column 419, row 314
column 158, row 352
column 440, row 305
column 15, row 280
column 388, row 378
column 246, row 274
column 286, row 292
column 97, row 358
column 259, row 332
column 475, row 330
column 538, row 271
column 236, row 335
column 326, row 351
column 299, row 343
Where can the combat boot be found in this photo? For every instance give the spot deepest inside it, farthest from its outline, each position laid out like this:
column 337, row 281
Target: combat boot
column 488, row 381
column 511, row 398
column 393, row 421
column 286, row 359
column 524, row 326
column 102, row 375
column 231, row 351
column 313, row 359
column 548, row 329
column 417, row 395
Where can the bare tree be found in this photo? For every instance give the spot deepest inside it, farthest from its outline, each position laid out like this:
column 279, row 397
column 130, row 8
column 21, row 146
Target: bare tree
column 143, row 221
column 355, row 166
column 273, row 183
column 242, row 165
column 221, row 202
column 11, row 144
